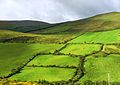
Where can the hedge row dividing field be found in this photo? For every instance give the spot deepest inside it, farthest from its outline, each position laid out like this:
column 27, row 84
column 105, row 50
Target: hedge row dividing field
column 25, row 52
column 49, row 74
column 98, row 68
column 56, row 62
column 20, row 53
column 49, row 68
column 102, row 65
column 41, row 61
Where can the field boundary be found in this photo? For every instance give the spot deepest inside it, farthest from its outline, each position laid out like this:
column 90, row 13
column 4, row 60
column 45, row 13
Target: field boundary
column 53, row 66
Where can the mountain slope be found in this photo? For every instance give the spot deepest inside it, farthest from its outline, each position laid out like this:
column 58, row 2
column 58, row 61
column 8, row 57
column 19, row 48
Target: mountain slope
column 100, row 22
column 19, row 37
column 23, row 26
column 72, row 53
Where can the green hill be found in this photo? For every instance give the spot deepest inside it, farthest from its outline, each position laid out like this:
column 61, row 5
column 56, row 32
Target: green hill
column 82, row 52
column 19, row 37
column 100, row 22
column 23, row 26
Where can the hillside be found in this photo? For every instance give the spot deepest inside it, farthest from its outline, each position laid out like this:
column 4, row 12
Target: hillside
column 23, row 26
column 79, row 52
column 19, row 37
column 100, row 22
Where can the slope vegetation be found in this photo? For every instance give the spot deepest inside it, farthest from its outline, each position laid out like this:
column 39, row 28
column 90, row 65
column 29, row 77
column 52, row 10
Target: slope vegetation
column 23, row 26
column 101, row 22
column 18, row 37
column 69, row 53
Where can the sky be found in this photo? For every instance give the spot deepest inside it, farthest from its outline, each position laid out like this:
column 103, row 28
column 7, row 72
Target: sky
column 55, row 11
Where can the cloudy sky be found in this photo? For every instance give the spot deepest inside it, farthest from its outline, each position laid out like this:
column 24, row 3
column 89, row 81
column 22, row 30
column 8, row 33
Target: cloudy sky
column 54, row 11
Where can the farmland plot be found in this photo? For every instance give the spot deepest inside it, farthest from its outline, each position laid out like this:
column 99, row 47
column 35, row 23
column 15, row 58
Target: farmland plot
column 98, row 68
column 111, row 49
column 20, row 53
column 81, row 49
column 41, row 73
column 58, row 60
column 99, row 37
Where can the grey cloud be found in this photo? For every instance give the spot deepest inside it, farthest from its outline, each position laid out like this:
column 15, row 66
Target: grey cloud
column 85, row 8
column 54, row 10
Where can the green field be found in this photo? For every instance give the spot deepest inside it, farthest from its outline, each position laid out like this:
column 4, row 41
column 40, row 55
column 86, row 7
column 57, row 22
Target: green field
column 57, row 29
column 99, row 37
column 6, row 34
column 67, row 53
column 81, row 49
column 13, row 55
column 11, row 36
column 48, row 74
column 97, row 69
column 58, row 60
column 111, row 48
column 49, row 38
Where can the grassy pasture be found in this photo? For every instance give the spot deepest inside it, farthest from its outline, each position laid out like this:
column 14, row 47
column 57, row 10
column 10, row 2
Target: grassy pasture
column 11, row 36
column 41, row 73
column 57, row 29
column 16, row 54
column 58, row 60
column 50, row 38
column 97, row 68
column 17, row 50
column 6, row 34
column 81, row 49
column 99, row 37
column 111, row 49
